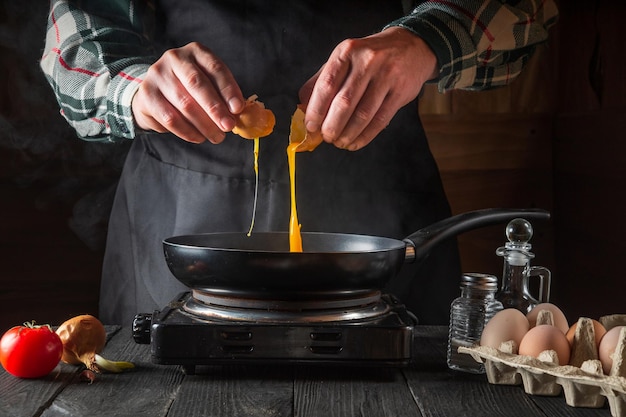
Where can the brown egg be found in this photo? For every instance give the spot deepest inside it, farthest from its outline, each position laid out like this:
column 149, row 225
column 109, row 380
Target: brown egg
column 507, row 324
column 598, row 331
column 607, row 347
column 545, row 337
column 560, row 320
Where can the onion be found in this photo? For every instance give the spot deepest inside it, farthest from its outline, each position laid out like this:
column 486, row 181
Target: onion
column 83, row 338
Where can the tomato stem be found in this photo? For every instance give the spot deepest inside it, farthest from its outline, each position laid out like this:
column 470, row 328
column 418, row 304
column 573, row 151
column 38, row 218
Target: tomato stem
column 31, row 325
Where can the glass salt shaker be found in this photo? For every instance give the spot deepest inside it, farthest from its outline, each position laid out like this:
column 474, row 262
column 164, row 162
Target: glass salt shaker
column 517, row 271
column 468, row 315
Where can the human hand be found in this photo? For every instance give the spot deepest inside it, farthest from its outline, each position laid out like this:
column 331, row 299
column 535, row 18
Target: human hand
column 354, row 96
column 190, row 92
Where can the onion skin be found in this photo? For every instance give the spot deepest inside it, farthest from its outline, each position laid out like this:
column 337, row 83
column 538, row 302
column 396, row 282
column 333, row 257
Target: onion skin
column 83, row 338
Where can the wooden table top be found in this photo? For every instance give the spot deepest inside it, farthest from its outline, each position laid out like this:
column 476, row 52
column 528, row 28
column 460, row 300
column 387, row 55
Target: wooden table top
column 426, row 388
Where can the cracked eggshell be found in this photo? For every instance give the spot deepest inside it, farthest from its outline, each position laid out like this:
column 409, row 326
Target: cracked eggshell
column 560, row 321
column 505, row 325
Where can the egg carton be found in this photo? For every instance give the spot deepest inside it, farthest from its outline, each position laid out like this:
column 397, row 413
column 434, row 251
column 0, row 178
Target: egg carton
column 582, row 381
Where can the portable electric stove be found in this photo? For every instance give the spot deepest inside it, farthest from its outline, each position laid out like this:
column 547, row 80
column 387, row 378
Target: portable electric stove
column 203, row 328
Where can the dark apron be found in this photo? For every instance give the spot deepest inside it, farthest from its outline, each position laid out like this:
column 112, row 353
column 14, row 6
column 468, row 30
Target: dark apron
column 170, row 187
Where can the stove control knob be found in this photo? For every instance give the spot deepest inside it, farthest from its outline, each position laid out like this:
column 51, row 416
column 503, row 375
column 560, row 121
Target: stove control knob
column 141, row 328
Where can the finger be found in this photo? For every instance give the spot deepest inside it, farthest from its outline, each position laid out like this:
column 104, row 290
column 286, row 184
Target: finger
column 376, row 124
column 327, row 84
column 350, row 110
column 172, row 121
column 175, row 111
column 185, row 117
column 360, row 108
column 222, row 79
column 156, row 101
column 152, row 111
column 143, row 118
column 197, row 97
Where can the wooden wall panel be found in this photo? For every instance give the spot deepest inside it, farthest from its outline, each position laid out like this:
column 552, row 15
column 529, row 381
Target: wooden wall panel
column 592, row 56
column 533, row 92
column 494, row 149
column 590, row 178
column 495, row 161
column 590, row 157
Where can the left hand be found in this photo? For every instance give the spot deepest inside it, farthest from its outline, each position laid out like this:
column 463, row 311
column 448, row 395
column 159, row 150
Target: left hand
column 354, row 96
column 190, row 92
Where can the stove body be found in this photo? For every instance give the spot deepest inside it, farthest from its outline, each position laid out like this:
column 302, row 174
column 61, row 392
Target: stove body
column 192, row 331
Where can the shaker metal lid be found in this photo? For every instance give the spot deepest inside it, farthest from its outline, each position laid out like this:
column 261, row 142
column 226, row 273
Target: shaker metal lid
column 479, row 281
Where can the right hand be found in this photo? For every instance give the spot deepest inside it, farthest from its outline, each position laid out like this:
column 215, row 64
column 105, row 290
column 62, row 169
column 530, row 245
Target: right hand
column 357, row 92
column 189, row 92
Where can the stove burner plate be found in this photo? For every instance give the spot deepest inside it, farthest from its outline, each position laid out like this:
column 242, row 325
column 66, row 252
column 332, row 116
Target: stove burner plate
column 204, row 304
column 180, row 338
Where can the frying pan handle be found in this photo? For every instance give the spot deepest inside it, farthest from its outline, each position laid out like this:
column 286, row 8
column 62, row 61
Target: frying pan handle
column 420, row 243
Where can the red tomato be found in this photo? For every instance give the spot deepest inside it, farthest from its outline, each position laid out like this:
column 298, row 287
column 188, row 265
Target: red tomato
column 30, row 351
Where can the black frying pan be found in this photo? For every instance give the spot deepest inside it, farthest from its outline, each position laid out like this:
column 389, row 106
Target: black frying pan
column 261, row 264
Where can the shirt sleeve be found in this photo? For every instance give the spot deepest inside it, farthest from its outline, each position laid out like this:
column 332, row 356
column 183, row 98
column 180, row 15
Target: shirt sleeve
column 480, row 44
column 95, row 58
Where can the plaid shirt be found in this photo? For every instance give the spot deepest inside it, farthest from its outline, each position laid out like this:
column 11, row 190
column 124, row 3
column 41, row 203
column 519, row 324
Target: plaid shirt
column 95, row 56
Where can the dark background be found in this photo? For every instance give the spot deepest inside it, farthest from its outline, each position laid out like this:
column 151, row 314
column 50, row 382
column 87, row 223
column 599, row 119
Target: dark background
column 56, row 190
column 553, row 139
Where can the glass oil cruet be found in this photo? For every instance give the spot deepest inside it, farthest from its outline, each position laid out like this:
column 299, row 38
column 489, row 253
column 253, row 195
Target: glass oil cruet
column 514, row 291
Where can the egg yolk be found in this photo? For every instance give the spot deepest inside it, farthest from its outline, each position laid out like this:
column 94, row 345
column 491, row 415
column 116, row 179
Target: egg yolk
column 256, row 183
column 295, row 238
column 254, row 122
column 299, row 140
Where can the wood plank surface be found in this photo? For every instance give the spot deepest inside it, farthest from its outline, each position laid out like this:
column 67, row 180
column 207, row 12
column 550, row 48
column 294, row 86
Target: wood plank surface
column 254, row 391
column 552, row 408
column 460, row 395
column 33, row 397
column 146, row 391
column 443, row 392
column 426, row 388
column 26, row 397
column 284, row 390
column 339, row 391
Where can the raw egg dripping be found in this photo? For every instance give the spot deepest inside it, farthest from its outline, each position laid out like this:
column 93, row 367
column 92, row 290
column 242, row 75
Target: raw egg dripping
column 299, row 141
column 254, row 122
column 256, row 183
